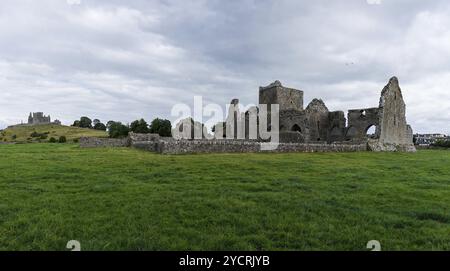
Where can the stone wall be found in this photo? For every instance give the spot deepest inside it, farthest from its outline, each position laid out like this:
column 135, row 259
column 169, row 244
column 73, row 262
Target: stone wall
column 147, row 142
column 286, row 98
column 7, row 143
column 154, row 143
column 239, row 146
column 95, row 142
column 318, row 121
column 144, row 137
column 393, row 132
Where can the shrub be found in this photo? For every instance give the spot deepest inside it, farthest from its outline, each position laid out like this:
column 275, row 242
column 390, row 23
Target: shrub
column 118, row 130
column 76, row 140
column 62, row 139
column 39, row 135
column 52, row 140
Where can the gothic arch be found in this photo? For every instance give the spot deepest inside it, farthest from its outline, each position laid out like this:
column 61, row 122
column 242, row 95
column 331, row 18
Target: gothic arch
column 296, row 128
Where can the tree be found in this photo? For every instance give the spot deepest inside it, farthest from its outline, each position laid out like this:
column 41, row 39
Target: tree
column 109, row 123
column 76, row 123
column 139, row 127
column 100, row 126
column 95, row 122
column 118, row 130
column 84, row 122
column 161, row 127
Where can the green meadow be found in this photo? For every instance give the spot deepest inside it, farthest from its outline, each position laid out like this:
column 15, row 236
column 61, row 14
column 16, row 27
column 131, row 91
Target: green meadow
column 126, row 199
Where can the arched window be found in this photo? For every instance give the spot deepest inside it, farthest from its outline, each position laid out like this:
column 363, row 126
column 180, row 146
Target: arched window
column 296, row 128
column 371, row 130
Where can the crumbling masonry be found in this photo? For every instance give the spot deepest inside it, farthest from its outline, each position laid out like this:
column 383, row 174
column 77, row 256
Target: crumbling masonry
column 316, row 124
column 314, row 129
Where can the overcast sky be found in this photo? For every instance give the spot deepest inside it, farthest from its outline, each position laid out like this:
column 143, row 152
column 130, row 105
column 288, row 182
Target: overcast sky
column 123, row 60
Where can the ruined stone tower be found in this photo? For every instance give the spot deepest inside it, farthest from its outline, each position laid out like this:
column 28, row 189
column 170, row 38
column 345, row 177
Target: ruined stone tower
column 287, row 98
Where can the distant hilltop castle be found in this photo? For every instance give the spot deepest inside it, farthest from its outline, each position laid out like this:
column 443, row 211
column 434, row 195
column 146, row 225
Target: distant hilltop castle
column 38, row 118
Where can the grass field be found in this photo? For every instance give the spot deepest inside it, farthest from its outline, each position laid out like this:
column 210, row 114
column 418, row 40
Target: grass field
column 125, row 199
column 23, row 133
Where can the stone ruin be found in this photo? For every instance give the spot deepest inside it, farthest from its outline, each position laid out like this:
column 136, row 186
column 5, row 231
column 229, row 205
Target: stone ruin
column 310, row 129
column 37, row 118
column 315, row 124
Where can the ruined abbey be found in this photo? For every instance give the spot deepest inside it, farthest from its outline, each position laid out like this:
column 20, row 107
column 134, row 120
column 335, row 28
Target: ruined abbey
column 310, row 129
column 316, row 124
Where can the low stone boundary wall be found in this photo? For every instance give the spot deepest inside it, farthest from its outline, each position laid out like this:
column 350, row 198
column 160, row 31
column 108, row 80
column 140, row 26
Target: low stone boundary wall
column 151, row 146
column 146, row 142
column 236, row 146
column 157, row 144
column 143, row 137
column 96, row 142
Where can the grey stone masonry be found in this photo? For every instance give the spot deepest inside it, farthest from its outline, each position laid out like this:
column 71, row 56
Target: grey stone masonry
column 239, row 146
column 95, row 142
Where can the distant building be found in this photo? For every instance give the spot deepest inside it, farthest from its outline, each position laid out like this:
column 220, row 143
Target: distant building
column 38, row 118
column 428, row 139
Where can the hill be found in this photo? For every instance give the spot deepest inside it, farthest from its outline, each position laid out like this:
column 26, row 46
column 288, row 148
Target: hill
column 42, row 133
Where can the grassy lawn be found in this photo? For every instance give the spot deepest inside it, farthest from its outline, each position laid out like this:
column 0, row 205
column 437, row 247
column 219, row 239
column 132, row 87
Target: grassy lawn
column 125, row 199
column 23, row 133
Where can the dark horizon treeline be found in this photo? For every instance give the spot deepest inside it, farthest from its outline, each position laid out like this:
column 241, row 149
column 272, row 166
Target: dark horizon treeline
column 117, row 129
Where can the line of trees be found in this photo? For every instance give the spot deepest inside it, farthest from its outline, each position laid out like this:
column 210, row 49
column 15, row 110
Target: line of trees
column 117, row 129
column 85, row 122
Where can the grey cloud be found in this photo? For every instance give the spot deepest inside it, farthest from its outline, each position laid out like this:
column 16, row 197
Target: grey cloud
column 125, row 60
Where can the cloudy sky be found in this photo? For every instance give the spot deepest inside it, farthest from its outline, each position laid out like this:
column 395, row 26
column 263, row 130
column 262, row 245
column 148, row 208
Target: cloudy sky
column 123, row 60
